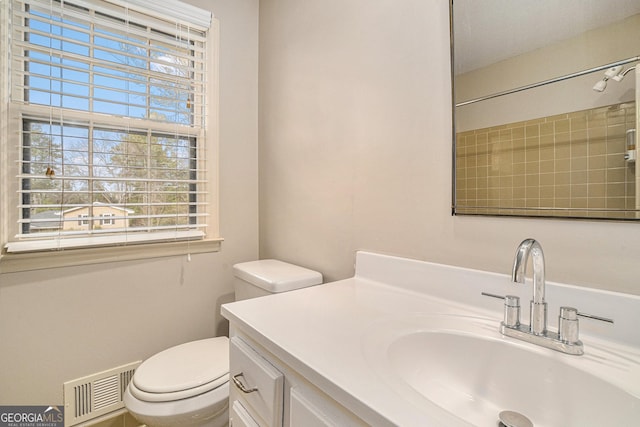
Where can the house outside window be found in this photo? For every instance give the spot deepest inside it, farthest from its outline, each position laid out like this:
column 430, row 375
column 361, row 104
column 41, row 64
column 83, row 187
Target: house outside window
column 116, row 142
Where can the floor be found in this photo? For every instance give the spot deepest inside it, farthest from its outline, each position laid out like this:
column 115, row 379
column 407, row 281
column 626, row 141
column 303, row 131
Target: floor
column 122, row 420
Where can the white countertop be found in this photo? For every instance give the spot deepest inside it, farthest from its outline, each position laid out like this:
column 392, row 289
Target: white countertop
column 322, row 331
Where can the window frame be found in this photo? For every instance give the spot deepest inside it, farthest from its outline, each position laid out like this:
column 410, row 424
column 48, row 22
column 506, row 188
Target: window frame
column 10, row 115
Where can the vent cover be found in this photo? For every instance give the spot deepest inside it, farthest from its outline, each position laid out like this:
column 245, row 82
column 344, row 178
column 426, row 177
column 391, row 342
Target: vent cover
column 96, row 395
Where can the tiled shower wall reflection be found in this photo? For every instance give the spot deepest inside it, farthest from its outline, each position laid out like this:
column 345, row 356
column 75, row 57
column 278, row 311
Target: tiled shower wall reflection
column 567, row 163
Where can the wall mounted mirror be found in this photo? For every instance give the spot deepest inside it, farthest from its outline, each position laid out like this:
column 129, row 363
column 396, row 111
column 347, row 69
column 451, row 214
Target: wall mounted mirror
column 545, row 95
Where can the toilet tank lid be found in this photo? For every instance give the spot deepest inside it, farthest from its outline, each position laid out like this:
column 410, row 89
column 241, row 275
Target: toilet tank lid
column 276, row 276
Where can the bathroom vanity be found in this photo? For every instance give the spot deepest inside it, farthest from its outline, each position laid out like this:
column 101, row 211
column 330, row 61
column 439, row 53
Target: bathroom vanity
column 410, row 343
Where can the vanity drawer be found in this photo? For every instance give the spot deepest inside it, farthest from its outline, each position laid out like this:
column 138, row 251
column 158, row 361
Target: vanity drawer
column 258, row 384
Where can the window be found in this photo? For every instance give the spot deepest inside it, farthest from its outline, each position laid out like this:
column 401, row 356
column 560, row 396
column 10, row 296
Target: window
column 108, row 109
column 107, row 219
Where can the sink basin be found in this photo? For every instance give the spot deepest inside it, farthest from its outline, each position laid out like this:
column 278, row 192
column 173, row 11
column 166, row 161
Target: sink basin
column 463, row 366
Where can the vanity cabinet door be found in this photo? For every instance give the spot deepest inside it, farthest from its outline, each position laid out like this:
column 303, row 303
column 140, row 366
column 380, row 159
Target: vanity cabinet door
column 240, row 417
column 256, row 383
column 311, row 409
column 303, row 413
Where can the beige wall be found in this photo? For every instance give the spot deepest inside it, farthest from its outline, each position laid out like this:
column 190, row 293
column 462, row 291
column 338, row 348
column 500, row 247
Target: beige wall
column 60, row 324
column 355, row 151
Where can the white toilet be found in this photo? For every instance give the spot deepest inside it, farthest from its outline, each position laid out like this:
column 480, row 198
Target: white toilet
column 188, row 385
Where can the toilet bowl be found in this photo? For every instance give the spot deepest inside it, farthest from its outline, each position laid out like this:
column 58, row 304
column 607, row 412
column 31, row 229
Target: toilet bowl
column 188, row 385
column 185, row 385
column 210, row 409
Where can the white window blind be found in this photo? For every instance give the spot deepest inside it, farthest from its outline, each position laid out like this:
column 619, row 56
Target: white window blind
column 111, row 104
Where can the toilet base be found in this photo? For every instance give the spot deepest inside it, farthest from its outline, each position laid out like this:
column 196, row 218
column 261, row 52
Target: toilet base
column 217, row 420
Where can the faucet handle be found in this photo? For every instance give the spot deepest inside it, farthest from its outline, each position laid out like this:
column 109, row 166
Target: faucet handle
column 591, row 316
column 568, row 323
column 487, row 294
column 511, row 309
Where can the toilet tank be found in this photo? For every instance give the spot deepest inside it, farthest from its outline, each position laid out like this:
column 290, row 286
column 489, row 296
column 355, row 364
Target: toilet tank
column 270, row 276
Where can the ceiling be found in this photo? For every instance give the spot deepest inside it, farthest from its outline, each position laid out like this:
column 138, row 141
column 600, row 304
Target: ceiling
column 489, row 31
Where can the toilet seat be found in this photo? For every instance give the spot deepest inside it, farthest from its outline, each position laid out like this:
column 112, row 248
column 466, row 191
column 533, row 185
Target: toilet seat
column 183, row 371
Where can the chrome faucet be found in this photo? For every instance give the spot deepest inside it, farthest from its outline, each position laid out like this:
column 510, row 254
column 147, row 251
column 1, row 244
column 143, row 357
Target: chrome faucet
column 531, row 248
column 566, row 339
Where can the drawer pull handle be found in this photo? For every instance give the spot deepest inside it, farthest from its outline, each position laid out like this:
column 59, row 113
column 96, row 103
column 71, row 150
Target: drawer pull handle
column 241, row 386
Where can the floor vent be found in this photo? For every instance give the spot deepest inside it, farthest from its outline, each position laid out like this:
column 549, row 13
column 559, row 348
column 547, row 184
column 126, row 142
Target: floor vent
column 96, row 395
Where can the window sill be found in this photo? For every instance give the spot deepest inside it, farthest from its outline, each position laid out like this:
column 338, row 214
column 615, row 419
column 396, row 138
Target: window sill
column 15, row 262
